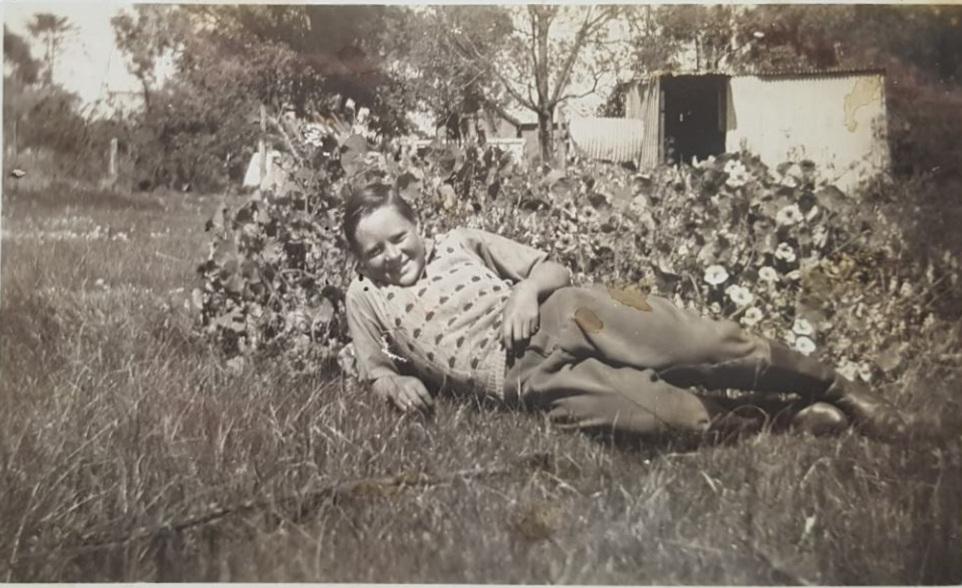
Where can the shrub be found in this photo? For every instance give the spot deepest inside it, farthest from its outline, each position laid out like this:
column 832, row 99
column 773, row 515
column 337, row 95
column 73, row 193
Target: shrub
column 775, row 249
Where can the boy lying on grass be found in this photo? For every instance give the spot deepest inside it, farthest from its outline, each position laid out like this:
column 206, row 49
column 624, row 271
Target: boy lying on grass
column 474, row 311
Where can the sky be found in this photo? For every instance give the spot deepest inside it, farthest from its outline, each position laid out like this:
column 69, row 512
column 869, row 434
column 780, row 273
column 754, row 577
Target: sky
column 89, row 64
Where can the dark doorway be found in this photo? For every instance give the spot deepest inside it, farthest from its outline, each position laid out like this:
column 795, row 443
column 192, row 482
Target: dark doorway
column 694, row 110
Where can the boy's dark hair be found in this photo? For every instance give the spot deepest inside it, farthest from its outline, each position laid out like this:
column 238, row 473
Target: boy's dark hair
column 362, row 201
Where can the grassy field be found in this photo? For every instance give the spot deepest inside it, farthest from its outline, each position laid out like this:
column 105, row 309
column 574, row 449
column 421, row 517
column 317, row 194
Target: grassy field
column 128, row 452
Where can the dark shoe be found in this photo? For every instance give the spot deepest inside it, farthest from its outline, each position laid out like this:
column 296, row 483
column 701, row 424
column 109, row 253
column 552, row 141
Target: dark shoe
column 820, row 419
column 872, row 415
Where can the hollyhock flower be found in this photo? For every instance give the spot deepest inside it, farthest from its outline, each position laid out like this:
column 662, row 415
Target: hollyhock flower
column 768, row 274
column 804, row 345
column 785, row 252
column 789, row 215
column 752, row 316
column 739, row 295
column 716, row 274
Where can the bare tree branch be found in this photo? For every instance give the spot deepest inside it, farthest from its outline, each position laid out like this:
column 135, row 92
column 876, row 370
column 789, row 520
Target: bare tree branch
column 588, row 27
column 502, row 112
column 479, row 61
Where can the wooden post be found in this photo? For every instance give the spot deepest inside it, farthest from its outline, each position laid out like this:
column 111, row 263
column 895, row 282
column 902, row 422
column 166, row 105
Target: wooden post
column 262, row 148
column 112, row 163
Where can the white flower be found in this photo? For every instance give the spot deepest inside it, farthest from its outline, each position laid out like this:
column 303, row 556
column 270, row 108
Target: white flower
column 737, row 174
column 785, row 252
column 865, row 372
column 789, row 215
column 737, row 180
column 768, row 274
column 716, row 274
column 803, row 327
column 752, row 316
column 804, row 345
column 739, row 295
column 734, row 166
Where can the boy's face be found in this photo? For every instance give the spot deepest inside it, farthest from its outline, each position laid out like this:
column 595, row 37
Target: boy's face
column 389, row 248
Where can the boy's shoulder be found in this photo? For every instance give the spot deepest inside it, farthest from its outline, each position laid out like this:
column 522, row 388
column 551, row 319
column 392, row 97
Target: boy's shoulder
column 462, row 235
column 360, row 287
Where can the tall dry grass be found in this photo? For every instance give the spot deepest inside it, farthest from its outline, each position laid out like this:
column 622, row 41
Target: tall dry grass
column 120, row 431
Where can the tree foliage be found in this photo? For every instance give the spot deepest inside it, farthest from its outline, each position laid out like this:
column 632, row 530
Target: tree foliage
column 532, row 58
column 16, row 52
column 429, row 60
column 199, row 127
column 52, row 29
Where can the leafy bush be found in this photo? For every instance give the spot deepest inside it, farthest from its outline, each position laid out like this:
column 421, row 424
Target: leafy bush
column 775, row 249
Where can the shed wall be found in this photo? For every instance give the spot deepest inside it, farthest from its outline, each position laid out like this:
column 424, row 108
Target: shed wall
column 836, row 121
column 643, row 102
column 607, row 139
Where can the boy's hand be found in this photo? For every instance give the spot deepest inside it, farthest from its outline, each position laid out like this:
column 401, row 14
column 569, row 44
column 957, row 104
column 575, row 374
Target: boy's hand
column 521, row 317
column 405, row 392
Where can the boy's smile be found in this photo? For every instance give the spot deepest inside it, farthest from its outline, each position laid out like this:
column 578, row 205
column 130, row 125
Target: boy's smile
column 389, row 248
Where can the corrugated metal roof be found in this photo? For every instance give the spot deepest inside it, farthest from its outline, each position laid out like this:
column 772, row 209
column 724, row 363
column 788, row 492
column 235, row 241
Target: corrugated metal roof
column 774, row 72
column 824, row 71
column 610, row 139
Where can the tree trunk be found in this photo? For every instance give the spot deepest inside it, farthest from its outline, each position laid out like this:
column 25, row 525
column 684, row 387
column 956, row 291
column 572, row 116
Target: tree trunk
column 146, row 92
column 546, row 138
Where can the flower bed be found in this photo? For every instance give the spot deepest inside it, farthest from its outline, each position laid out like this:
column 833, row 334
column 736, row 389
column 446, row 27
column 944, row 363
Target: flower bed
column 774, row 249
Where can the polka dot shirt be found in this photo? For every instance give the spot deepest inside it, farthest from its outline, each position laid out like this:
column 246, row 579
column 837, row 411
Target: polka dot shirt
column 445, row 328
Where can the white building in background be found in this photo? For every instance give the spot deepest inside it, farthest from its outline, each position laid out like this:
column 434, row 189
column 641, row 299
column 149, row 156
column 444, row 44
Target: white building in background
column 834, row 118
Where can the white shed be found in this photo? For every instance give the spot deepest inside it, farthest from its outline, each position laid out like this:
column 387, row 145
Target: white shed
column 834, row 118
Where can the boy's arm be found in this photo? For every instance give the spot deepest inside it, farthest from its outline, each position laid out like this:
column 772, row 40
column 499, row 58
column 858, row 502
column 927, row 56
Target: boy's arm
column 533, row 275
column 521, row 313
column 374, row 364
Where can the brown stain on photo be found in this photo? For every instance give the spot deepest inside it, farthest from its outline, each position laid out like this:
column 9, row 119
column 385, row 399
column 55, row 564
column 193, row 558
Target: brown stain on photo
column 588, row 321
column 630, row 297
column 865, row 92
